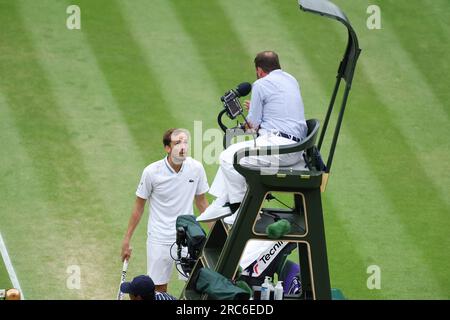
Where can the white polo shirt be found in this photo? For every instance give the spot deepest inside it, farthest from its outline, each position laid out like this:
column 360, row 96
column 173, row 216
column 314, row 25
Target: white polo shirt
column 170, row 194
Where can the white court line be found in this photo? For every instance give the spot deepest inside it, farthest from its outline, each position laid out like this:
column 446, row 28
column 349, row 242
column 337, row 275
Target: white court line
column 9, row 267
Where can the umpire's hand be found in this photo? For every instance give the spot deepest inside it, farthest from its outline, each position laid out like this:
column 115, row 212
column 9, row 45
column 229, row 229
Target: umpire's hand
column 247, row 105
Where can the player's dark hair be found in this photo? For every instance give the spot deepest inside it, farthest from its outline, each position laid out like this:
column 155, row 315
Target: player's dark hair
column 167, row 137
column 268, row 61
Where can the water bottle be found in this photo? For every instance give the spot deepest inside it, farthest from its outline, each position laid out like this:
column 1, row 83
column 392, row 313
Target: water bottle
column 265, row 289
column 271, row 290
column 279, row 291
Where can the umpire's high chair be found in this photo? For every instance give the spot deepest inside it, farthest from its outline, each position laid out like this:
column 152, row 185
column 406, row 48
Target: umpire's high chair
column 224, row 246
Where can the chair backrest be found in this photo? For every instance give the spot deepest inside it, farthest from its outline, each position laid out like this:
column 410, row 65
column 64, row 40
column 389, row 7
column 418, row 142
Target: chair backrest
column 313, row 131
column 312, row 154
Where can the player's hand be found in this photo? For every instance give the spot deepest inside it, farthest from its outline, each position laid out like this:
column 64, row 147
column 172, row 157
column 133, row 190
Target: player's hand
column 126, row 250
column 247, row 104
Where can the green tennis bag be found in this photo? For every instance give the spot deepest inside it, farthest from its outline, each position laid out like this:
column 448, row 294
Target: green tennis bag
column 217, row 287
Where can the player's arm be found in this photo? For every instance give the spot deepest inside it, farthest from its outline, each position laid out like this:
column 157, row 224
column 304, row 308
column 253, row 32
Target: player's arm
column 201, row 202
column 136, row 215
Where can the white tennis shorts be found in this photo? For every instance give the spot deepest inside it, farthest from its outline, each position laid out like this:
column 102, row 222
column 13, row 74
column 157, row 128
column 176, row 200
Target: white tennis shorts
column 160, row 263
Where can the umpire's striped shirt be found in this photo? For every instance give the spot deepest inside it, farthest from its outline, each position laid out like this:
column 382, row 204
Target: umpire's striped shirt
column 163, row 296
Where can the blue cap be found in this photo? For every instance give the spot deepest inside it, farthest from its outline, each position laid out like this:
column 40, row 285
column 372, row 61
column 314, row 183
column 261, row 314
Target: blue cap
column 140, row 286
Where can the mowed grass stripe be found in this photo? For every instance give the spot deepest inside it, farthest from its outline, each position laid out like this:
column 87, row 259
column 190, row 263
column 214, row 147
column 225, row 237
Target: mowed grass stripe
column 440, row 17
column 425, row 41
column 220, row 51
column 102, row 136
column 415, row 109
column 19, row 224
column 9, row 144
column 347, row 256
column 191, row 94
column 348, row 274
column 424, row 133
column 36, row 234
column 5, row 282
column 379, row 235
column 66, row 191
column 256, row 36
column 216, row 41
column 362, row 122
column 134, row 86
column 411, row 98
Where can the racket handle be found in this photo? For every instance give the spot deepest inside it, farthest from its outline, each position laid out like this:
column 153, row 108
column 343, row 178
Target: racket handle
column 122, row 278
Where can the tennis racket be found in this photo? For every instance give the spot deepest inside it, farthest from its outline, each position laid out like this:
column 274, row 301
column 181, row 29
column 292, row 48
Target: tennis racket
column 123, row 276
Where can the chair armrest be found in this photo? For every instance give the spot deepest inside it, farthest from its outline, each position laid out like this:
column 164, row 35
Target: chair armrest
column 269, row 151
column 308, row 142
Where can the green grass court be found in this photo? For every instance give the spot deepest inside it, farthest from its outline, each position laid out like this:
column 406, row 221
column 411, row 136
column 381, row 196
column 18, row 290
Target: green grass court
column 82, row 112
column 5, row 283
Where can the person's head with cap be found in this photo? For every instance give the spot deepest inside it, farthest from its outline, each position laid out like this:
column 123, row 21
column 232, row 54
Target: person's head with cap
column 140, row 288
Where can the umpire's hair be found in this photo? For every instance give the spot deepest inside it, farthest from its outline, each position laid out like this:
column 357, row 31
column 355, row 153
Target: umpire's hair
column 167, row 137
column 268, row 61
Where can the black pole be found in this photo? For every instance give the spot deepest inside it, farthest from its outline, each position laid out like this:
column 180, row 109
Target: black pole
column 219, row 120
column 338, row 127
column 330, row 109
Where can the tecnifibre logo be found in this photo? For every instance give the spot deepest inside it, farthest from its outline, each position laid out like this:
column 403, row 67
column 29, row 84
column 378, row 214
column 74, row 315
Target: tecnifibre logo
column 266, row 259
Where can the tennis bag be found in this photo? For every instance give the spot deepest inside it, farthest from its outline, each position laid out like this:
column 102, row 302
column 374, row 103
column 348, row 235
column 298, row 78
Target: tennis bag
column 217, row 287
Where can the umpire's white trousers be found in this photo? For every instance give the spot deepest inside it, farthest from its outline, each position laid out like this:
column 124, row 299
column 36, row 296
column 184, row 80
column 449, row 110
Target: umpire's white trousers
column 229, row 185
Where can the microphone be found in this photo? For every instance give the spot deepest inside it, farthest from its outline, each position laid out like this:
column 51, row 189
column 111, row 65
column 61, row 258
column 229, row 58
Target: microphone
column 232, row 105
column 243, row 89
column 231, row 99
